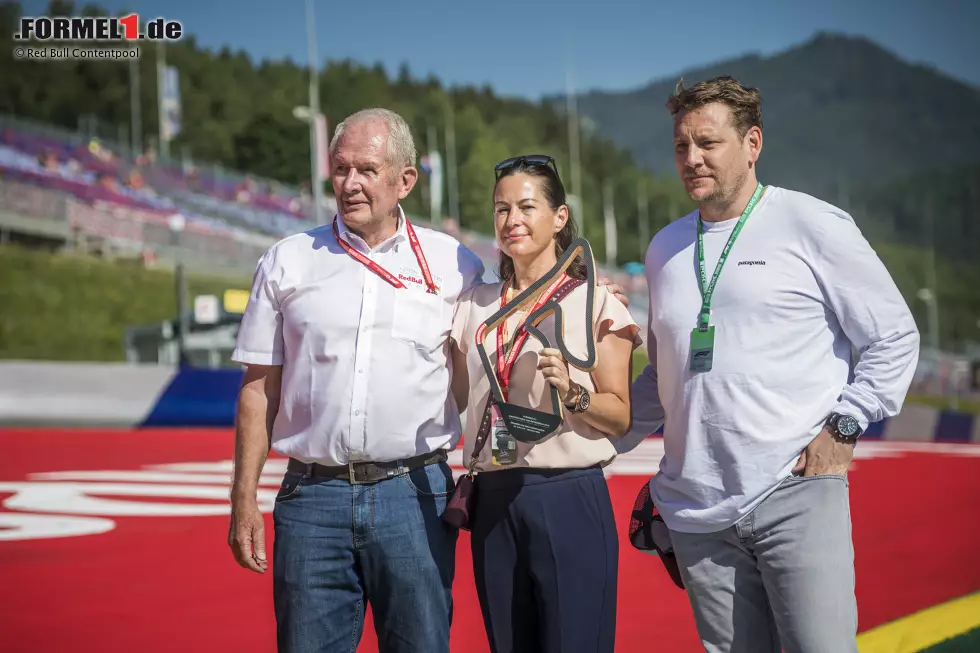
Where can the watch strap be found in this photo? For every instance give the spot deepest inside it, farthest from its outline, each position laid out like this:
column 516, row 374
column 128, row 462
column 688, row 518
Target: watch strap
column 575, row 405
column 833, row 423
column 582, row 400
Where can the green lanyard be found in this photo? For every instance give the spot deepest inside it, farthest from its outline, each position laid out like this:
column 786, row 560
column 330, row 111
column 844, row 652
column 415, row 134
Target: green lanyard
column 706, row 294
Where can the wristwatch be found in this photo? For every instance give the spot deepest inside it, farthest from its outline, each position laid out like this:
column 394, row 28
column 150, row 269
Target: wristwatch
column 844, row 427
column 582, row 400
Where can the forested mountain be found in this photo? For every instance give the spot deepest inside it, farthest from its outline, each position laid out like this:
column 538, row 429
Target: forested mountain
column 837, row 111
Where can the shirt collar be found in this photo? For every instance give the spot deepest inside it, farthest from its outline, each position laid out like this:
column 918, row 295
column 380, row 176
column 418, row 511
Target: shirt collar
column 401, row 234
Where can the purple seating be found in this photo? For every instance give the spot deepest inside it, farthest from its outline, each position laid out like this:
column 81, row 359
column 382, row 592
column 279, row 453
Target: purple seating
column 75, row 169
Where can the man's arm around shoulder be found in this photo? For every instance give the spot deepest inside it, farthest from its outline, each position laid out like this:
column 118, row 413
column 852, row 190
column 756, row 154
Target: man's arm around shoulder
column 470, row 267
column 647, row 410
column 258, row 404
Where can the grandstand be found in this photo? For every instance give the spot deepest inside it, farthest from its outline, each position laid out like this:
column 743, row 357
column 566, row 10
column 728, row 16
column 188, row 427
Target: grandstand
column 69, row 186
column 86, row 193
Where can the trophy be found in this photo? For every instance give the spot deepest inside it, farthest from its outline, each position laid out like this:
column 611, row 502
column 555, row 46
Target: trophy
column 526, row 424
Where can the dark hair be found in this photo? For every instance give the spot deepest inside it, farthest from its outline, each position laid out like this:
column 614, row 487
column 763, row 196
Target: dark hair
column 744, row 102
column 554, row 194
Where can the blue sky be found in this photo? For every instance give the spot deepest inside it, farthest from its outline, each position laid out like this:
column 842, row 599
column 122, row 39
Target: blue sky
column 524, row 48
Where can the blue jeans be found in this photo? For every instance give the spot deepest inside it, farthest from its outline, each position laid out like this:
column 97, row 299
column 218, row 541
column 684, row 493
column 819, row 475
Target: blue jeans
column 338, row 546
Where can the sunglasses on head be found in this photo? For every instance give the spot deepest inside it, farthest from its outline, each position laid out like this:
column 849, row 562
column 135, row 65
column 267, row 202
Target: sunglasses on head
column 527, row 159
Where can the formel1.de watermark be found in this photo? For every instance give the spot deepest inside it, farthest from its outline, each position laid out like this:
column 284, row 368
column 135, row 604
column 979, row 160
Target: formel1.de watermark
column 99, row 38
column 97, row 28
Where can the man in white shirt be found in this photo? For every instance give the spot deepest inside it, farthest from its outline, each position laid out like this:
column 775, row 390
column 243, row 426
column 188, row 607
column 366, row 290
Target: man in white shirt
column 756, row 301
column 345, row 340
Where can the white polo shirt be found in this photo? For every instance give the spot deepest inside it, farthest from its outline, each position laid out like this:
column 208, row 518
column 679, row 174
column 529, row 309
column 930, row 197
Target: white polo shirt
column 366, row 373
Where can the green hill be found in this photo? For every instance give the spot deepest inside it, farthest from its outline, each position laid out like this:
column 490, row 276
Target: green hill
column 76, row 308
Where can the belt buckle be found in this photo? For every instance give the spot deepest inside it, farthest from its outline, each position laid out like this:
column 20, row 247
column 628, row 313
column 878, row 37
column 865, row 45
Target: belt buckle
column 351, row 474
column 391, row 472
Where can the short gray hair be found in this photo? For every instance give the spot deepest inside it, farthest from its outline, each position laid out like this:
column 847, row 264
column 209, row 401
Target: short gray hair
column 400, row 152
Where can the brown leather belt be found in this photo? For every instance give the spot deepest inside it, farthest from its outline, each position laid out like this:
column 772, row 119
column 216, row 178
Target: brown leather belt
column 367, row 471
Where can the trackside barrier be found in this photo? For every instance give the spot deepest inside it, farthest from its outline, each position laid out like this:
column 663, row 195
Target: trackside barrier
column 197, row 397
column 125, row 395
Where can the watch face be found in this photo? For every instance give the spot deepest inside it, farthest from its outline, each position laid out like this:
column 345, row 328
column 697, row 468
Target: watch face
column 847, row 426
column 584, row 400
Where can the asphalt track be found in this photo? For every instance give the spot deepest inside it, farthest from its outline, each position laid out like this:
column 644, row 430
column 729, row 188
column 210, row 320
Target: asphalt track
column 115, row 541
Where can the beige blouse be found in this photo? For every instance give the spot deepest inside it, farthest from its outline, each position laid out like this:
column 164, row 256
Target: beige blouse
column 576, row 444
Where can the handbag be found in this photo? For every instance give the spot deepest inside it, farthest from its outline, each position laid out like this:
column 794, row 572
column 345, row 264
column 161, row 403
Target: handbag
column 461, row 504
column 648, row 533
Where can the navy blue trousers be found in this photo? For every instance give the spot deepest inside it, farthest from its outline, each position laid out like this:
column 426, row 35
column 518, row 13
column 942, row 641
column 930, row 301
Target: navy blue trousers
column 545, row 558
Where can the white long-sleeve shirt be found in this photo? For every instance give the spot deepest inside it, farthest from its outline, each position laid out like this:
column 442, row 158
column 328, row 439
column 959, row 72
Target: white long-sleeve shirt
column 800, row 288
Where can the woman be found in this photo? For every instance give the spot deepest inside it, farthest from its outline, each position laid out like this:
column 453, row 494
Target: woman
column 545, row 549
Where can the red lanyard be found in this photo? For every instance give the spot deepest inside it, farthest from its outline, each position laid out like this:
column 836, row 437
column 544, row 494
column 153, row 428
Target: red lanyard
column 506, row 364
column 380, row 271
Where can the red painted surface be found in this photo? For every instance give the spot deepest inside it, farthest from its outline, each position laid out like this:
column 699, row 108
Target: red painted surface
column 157, row 584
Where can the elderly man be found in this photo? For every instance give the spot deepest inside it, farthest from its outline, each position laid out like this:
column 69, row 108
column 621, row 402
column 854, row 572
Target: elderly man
column 344, row 340
column 757, row 300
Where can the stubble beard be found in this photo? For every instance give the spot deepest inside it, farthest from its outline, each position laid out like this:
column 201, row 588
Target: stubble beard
column 724, row 195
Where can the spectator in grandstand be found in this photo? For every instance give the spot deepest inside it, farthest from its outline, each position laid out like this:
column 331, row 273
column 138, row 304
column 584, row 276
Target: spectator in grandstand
column 107, row 181
column 48, row 160
column 545, row 551
column 193, row 181
column 245, row 190
column 752, row 380
column 134, row 180
column 100, row 151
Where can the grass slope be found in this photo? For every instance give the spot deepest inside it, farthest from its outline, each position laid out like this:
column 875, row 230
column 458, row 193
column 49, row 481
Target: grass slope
column 74, row 308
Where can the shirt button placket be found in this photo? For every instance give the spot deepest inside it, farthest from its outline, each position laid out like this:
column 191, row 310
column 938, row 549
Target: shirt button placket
column 362, row 354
